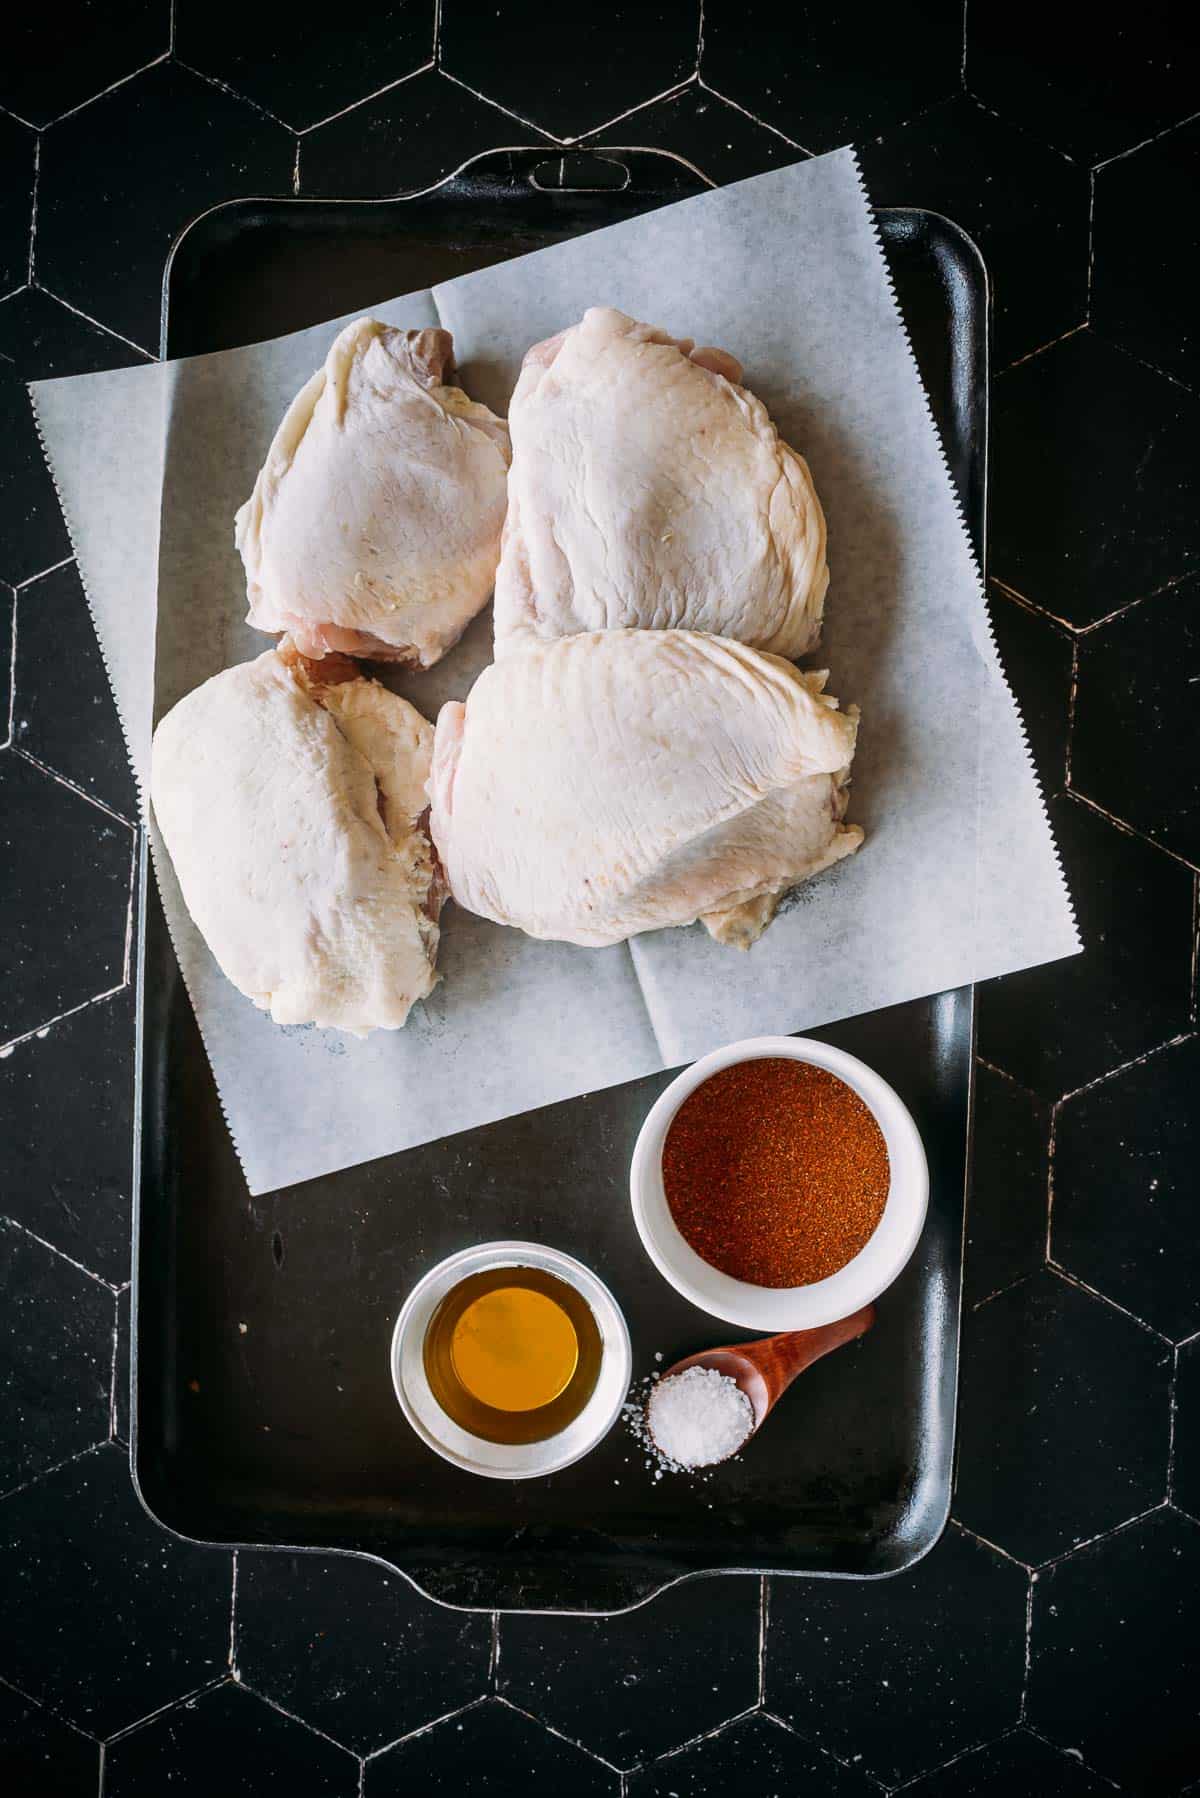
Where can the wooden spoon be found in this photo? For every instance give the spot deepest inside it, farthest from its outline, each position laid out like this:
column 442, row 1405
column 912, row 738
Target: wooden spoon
column 764, row 1370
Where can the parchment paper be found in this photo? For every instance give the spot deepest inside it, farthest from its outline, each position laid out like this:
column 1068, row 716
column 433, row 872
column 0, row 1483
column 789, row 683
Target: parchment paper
column 958, row 879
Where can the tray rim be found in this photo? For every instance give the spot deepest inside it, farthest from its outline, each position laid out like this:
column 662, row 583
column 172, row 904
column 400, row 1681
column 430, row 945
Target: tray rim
column 977, row 531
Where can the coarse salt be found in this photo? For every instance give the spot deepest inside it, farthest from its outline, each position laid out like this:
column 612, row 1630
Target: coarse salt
column 698, row 1417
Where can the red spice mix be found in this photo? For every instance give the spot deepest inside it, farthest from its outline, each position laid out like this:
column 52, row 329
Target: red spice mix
column 775, row 1172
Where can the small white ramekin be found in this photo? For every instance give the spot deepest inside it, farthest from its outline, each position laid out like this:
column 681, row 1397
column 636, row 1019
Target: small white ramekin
column 501, row 1460
column 771, row 1308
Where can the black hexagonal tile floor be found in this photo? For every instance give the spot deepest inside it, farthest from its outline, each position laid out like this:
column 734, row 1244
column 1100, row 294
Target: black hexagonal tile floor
column 1114, row 1661
column 1025, row 205
column 1017, row 1766
column 1052, row 1377
column 352, row 1649
column 1057, row 1027
column 78, row 1546
column 40, row 1754
column 72, row 1187
column 489, row 1751
column 1093, row 93
column 1146, row 246
column 1038, row 657
column 1185, row 1488
column 63, row 712
column 303, row 76
column 1125, row 1162
column 65, row 901
column 755, row 1755
column 227, row 1741
column 1139, row 677
column 407, row 138
column 1009, row 1201
column 1094, row 468
column 631, row 1687
column 17, row 147
column 51, row 65
column 121, row 179
column 898, row 1675
column 56, row 1348
column 719, row 140
column 572, row 80
column 39, row 340
column 824, row 75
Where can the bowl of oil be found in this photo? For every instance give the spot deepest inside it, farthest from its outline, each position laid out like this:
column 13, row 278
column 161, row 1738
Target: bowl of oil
column 511, row 1360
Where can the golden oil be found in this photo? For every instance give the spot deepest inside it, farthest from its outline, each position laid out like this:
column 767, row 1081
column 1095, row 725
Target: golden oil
column 512, row 1354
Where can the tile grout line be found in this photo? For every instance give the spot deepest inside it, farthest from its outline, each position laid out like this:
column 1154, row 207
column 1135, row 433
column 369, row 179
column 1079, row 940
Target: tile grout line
column 764, row 1623
column 1169, row 586
column 108, row 330
column 172, row 1704
column 296, row 170
column 964, row 1529
column 493, row 1669
column 233, row 1592
column 33, row 216
column 1172, row 1416
column 1102, row 336
column 1023, row 1711
column 1117, row 1529
column 630, row 112
column 1009, row 1286
column 43, row 1030
column 112, row 87
column 1137, row 1061
column 1152, row 139
column 129, row 908
column 506, row 110
column 563, row 1737
column 234, row 93
column 64, row 780
column 752, row 116
column 423, row 1729
column 705, row 1735
column 44, row 1473
column 387, row 88
column 1019, row 361
column 1031, row 605
column 961, row 1754
column 1070, row 1279
column 436, row 51
column 700, row 23
column 41, row 1704
column 1051, row 1154
column 1071, row 1754
column 14, row 1223
column 1123, row 826
column 12, row 671
column 293, row 1716
column 112, row 1381
column 1072, row 705
column 1195, row 948
column 994, row 1068
column 31, row 580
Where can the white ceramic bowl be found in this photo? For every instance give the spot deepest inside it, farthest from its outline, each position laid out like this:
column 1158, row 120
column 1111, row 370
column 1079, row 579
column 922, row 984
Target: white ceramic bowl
column 770, row 1308
column 500, row 1460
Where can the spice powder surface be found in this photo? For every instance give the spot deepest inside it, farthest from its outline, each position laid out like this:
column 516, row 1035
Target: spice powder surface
column 775, row 1172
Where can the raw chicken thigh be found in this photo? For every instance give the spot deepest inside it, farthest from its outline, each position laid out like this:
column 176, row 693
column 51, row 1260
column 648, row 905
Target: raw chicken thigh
column 618, row 781
column 374, row 526
column 649, row 489
column 291, row 797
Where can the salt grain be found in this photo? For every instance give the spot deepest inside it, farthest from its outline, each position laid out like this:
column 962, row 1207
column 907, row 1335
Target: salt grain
column 698, row 1417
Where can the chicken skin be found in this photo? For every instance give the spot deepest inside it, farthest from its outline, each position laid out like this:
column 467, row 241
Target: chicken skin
column 374, row 526
column 291, row 797
column 649, row 488
column 619, row 781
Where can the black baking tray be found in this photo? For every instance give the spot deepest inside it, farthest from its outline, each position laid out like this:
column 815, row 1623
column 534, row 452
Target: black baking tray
column 263, row 1409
